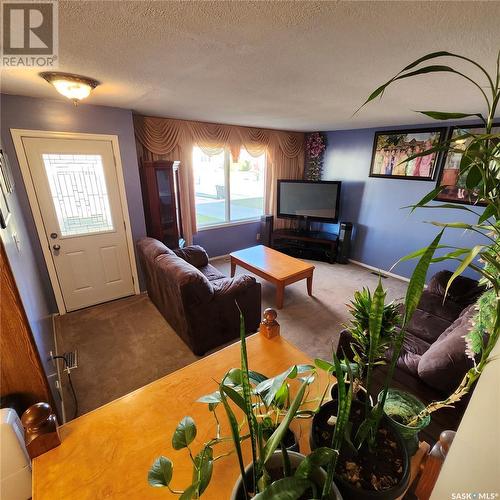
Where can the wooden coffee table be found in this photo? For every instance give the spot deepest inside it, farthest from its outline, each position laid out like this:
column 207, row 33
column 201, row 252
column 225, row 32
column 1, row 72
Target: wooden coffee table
column 273, row 266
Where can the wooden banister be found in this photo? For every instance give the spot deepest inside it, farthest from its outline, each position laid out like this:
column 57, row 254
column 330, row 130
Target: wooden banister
column 432, row 465
column 269, row 327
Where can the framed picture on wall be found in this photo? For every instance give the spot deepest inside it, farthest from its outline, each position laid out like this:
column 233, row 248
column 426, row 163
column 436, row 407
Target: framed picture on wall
column 455, row 190
column 392, row 148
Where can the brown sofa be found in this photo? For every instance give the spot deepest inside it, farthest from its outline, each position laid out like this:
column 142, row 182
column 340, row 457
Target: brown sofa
column 433, row 360
column 196, row 299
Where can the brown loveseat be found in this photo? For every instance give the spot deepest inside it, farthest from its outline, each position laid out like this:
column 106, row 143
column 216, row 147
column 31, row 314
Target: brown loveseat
column 433, row 359
column 196, row 299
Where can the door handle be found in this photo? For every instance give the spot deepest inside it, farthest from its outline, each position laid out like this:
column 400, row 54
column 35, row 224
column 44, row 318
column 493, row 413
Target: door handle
column 56, row 247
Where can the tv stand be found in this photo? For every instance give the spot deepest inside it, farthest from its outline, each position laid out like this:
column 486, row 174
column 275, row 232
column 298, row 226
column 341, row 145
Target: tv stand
column 315, row 245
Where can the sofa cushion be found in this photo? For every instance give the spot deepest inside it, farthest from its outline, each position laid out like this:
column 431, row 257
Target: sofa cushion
column 232, row 286
column 211, row 273
column 463, row 290
column 445, row 363
column 413, row 348
column 433, row 303
column 194, row 255
column 192, row 284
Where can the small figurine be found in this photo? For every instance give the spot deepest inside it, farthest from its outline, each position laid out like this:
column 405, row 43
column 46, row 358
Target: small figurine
column 269, row 327
column 41, row 432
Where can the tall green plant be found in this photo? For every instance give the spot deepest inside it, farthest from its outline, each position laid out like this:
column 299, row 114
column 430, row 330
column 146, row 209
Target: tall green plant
column 368, row 428
column 267, row 411
column 342, row 422
column 480, row 171
column 364, row 349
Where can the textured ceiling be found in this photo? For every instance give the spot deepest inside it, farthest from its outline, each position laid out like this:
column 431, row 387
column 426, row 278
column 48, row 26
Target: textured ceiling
column 291, row 65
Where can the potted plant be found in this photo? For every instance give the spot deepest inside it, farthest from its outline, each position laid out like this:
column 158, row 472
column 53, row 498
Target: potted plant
column 267, row 408
column 400, row 407
column 479, row 172
column 358, row 329
column 270, row 400
column 373, row 460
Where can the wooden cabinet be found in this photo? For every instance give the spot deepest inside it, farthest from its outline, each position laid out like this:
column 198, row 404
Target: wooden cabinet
column 160, row 193
column 22, row 379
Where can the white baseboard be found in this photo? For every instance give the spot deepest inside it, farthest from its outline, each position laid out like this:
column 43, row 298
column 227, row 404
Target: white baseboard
column 378, row 270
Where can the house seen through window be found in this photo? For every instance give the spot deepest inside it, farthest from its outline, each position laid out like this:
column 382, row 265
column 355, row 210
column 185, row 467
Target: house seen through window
column 228, row 191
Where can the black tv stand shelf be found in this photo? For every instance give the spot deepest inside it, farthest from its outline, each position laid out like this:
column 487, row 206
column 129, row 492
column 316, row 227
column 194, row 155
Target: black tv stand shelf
column 314, row 245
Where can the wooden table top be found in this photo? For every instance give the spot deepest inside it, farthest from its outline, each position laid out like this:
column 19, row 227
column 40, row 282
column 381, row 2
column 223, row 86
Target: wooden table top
column 107, row 453
column 271, row 262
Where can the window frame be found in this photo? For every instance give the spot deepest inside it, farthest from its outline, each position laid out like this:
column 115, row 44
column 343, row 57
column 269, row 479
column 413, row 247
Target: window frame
column 227, row 193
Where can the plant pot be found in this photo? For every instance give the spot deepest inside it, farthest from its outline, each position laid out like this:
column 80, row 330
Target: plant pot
column 401, row 407
column 291, row 441
column 318, row 436
column 321, row 436
column 275, row 463
column 360, row 395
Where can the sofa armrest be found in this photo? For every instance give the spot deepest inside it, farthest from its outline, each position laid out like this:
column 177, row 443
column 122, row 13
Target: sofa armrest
column 194, row 255
column 463, row 290
column 445, row 363
column 232, row 286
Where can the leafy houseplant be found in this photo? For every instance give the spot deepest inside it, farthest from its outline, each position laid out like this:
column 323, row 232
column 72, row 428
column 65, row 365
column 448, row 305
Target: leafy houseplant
column 267, row 412
column 366, row 440
column 480, row 172
column 400, row 407
column 366, row 354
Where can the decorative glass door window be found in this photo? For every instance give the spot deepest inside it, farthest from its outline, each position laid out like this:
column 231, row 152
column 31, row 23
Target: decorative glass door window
column 228, row 191
column 79, row 194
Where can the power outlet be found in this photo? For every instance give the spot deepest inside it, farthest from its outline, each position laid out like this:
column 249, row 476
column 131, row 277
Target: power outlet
column 258, row 237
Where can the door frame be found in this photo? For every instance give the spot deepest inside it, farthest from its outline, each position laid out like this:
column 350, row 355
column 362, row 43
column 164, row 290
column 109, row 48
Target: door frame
column 17, row 137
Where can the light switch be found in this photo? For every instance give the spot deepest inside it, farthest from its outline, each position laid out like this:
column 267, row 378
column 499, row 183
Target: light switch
column 16, row 241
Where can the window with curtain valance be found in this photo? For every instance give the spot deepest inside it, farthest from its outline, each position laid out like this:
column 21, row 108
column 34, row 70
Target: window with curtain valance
column 171, row 139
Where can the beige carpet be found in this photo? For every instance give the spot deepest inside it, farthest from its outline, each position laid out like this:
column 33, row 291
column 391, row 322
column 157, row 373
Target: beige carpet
column 125, row 344
column 313, row 323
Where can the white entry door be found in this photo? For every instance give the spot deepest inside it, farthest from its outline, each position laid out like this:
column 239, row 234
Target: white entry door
column 75, row 181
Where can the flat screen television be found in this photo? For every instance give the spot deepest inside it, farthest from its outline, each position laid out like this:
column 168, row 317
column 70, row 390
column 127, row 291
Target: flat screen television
column 309, row 200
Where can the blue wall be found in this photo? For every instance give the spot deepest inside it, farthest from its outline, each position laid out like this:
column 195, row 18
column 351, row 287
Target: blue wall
column 223, row 240
column 384, row 231
column 27, row 263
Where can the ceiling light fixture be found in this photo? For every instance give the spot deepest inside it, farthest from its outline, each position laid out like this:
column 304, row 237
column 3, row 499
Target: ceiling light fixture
column 74, row 87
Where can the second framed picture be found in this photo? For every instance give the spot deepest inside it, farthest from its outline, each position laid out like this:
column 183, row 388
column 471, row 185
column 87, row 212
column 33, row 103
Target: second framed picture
column 455, row 189
column 392, row 148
